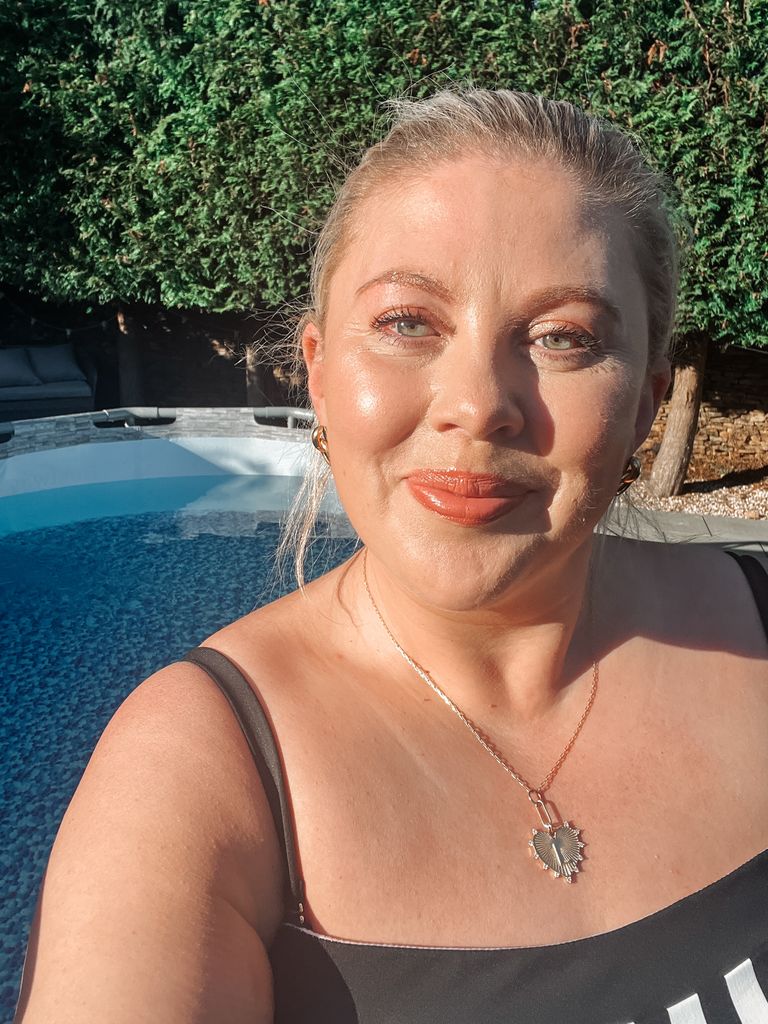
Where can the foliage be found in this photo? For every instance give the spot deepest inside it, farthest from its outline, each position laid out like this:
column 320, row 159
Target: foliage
column 183, row 153
column 690, row 79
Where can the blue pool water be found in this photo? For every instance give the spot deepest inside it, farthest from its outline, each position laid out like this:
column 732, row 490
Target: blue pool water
column 194, row 494
column 88, row 610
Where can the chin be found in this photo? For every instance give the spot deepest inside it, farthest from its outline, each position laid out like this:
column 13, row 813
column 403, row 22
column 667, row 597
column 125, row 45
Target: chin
column 468, row 573
column 463, row 568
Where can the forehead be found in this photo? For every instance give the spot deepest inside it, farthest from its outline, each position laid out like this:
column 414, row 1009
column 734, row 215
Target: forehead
column 492, row 230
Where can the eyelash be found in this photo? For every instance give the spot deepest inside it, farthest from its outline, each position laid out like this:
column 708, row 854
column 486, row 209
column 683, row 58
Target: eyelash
column 394, row 316
column 586, row 341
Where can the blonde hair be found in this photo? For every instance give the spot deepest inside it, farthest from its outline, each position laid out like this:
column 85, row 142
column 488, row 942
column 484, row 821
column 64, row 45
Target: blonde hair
column 608, row 167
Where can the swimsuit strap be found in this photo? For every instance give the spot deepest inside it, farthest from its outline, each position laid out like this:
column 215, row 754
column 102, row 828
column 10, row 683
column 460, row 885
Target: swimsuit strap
column 757, row 578
column 254, row 722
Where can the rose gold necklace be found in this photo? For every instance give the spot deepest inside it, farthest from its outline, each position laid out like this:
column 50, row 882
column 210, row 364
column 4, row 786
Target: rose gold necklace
column 557, row 844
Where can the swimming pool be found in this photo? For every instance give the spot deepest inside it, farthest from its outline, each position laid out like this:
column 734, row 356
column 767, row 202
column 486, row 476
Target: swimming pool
column 102, row 584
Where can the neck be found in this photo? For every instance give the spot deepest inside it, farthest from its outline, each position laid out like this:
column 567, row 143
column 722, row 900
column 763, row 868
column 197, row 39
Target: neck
column 514, row 658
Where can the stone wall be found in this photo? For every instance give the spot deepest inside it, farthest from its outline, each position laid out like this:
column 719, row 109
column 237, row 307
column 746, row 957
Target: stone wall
column 733, row 422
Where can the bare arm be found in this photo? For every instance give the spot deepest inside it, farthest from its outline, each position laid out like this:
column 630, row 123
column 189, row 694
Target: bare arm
column 164, row 883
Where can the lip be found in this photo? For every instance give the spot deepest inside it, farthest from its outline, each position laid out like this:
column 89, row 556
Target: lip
column 469, row 499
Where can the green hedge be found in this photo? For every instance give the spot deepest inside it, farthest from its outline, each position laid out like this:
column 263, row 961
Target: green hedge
column 183, row 154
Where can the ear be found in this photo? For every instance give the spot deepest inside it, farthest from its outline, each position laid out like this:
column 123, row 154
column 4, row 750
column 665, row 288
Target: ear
column 654, row 390
column 312, row 350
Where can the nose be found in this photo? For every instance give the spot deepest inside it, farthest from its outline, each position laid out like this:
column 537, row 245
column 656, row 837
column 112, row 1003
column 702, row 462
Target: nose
column 479, row 392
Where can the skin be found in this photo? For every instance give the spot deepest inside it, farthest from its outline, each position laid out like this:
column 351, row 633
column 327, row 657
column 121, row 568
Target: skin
column 479, row 389
column 407, row 831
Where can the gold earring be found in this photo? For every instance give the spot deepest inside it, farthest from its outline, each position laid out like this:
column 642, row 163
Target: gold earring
column 320, row 441
column 631, row 473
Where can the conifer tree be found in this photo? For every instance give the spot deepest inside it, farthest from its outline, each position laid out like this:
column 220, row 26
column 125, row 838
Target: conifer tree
column 183, row 153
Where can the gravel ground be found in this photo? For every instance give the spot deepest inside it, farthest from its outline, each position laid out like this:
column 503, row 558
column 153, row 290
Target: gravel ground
column 742, row 500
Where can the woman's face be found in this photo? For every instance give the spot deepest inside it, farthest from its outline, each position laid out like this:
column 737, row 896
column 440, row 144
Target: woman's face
column 483, row 375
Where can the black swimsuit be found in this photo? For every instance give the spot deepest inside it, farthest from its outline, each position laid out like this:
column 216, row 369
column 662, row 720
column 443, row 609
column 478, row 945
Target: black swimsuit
column 702, row 960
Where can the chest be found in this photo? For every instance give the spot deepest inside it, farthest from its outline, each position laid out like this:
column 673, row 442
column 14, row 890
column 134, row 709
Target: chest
column 410, row 833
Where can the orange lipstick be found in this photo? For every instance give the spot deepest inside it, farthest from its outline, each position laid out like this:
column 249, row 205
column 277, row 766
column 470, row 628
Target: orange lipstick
column 468, row 499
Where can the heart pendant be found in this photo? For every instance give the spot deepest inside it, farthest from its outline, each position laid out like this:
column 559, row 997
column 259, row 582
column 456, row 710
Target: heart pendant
column 558, row 848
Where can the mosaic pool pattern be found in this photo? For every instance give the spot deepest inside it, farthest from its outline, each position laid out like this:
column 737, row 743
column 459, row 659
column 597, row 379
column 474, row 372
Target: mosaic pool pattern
column 88, row 610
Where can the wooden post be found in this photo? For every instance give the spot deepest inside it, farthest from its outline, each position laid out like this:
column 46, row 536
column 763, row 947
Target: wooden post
column 671, row 463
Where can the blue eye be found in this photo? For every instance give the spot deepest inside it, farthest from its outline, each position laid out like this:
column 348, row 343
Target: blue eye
column 560, row 342
column 411, row 328
column 404, row 323
column 568, row 342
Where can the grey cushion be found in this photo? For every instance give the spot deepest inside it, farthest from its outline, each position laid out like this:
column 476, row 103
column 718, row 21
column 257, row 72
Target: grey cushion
column 55, row 363
column 62, row 389
column 15, row 368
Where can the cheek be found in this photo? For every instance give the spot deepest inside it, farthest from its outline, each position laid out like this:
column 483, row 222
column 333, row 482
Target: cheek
column 593, row 423
column 368, row 405
column 371, row 411
column 592, row 439
column 372, row 404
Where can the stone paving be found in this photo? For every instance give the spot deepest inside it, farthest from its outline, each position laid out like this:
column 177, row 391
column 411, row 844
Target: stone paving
column 682, row 527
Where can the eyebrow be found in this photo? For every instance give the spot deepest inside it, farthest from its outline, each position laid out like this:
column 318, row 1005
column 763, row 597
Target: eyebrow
column 549, row 298
column 546, row 298
column 408, row 277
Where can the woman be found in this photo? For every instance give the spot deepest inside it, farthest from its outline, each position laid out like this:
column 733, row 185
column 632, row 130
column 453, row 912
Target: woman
column 482, row 705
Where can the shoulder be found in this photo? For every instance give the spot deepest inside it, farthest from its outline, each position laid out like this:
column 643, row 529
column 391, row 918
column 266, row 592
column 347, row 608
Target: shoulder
column 695, row 592
column 173, row 765
column 720, row 587
column 283, row 647
column 167, row 848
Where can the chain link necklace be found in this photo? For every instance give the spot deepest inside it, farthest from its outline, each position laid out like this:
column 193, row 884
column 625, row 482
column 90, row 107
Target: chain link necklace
column 556, row 845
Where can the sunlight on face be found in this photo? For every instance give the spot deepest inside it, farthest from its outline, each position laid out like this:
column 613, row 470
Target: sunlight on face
column 483, row 324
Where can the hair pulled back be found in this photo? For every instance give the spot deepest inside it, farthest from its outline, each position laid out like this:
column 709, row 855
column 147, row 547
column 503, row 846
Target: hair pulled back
column 608, row 168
